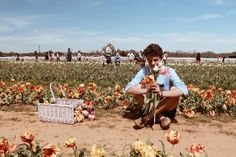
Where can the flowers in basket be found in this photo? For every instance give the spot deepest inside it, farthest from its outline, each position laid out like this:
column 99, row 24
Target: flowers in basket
column 85, row 110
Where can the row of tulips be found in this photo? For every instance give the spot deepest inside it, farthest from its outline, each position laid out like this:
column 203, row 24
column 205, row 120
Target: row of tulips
column 27, row 93
column 201, row 75
column 210, row 101
column 137, row 149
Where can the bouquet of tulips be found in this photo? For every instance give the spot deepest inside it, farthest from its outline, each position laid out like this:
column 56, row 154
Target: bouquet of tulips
column 151, row 99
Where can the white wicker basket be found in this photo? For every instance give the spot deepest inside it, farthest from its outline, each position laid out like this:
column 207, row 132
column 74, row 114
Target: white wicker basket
column 60, row 111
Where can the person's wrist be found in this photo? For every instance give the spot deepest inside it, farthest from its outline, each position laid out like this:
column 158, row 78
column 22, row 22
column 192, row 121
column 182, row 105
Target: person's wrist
column 160, row 94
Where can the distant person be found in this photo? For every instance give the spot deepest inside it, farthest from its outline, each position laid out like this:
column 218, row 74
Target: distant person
column 138, row 57
column 198, row 58
column 164, row 57
column 223, row 59
column 36, row 56
column 79, row 56
column 46, row 56
column 117, row 58
column 69, row 55
column 219, row 59
column 139, row 61
column 108, row 53
column 108, row 59
column 58, row 57
column 17, row 57
column 51, row 58
column 131, row 57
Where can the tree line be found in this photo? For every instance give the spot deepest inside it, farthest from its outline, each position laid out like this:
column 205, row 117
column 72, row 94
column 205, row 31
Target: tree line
column 207, row 54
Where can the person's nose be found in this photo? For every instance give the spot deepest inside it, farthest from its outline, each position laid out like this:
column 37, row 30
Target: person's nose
column 154, row 62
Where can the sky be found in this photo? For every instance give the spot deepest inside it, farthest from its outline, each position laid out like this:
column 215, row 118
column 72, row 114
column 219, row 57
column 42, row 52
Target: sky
column 89, row 25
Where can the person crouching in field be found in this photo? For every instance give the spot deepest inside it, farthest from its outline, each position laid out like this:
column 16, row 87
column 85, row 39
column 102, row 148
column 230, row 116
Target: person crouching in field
column 167, row 86
column 117, row 58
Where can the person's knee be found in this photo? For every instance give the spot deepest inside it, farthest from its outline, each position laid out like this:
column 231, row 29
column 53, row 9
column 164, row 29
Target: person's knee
column 170, row 103
column 139, row 99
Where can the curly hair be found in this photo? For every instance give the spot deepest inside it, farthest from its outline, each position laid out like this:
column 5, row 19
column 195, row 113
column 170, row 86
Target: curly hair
column 153, row 50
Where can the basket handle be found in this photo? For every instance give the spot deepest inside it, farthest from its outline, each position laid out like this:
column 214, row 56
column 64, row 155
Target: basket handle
column 53, row 95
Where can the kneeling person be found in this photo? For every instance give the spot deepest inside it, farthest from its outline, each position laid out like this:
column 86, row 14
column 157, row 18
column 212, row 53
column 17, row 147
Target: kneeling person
column 168, row 86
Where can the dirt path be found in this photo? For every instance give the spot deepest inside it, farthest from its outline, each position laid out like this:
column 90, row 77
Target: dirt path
column 116, row 132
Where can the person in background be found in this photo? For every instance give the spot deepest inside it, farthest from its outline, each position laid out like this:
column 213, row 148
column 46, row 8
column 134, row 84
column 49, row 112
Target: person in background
column 36, row 56
column 79, row 56
column 17, row 57
column 117, row 58
column 130, row 57
column 164, row 57
column 46, row 56
column 223, row 59
column 167, row 86
column 58, row 57
column 51, row 58
column 69, row 55
column 219, row 59
column 108, row 53
column 198, row 58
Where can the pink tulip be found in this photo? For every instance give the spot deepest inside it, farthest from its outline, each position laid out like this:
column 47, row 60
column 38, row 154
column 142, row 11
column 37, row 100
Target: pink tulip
column 91, row 117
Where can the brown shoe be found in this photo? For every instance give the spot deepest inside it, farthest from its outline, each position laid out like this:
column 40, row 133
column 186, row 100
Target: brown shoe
column 165, row 123
column 144, row 122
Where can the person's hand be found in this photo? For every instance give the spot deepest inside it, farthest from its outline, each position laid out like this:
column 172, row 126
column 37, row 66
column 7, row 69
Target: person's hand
column 155, row 88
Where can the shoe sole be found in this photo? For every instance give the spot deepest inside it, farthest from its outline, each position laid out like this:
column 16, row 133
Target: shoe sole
column 165, row 123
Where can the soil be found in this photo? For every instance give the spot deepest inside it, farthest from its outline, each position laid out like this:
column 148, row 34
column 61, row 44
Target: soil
column 116, row 132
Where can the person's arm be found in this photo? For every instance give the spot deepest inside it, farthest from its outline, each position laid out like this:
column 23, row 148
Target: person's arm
column 137, row 90
column 179, row 88
column 133, row 87
column 173, row 92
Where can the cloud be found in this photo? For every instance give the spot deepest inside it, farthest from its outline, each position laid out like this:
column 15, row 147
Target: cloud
column 36, row 0
column 199, row 41
column 199, row 18
column 14, row 23
column 95, row 3
column 17, row 22
column 220, row 2
column 59, row 40
column 233, row 12
column 5, row 28
column 54, row 39
column 208, row 16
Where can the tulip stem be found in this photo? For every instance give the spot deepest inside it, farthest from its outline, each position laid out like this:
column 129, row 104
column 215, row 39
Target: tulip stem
column 75, row 151
column 172, row 148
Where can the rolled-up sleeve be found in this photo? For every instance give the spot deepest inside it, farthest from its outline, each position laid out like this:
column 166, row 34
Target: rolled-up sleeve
column 177, row 82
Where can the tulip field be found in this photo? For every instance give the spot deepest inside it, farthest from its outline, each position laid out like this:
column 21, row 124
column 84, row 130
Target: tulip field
column 212, row 93
column 212, row 87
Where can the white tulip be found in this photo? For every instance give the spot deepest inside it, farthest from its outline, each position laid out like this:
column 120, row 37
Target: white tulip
column 156, row 68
